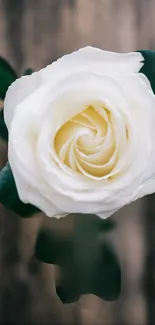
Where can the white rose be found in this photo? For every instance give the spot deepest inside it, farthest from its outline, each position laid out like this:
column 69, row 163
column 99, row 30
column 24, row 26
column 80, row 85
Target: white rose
column 81, row 133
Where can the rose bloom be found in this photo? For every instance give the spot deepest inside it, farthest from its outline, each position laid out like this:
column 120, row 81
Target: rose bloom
column 82, row 133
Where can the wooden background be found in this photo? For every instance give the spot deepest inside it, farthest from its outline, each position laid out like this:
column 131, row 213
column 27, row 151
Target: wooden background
column 33, row 33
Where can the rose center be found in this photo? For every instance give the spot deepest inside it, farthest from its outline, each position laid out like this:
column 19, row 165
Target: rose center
column 86, row 143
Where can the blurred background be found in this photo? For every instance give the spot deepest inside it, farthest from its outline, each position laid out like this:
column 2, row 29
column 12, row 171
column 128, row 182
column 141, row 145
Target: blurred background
column 33, row 33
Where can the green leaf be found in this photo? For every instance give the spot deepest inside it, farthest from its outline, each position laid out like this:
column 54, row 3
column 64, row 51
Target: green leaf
column 28, row 72
column 3, row 128
column 88, row 263
column 107, row 225
column 9, row 195
column 7, row 76
column 149, row 66
column 47, row 239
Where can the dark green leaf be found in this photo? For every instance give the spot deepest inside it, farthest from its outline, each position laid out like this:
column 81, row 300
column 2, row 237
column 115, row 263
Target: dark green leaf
column 7, row 76
column 3, row 128
column 88, row 264
column 9, row 196
column 47, row 239
column 149, row 66
column 107, row 225
column 28, row 72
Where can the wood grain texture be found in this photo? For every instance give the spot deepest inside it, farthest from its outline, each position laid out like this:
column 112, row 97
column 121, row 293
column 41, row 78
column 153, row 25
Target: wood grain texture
column 33, row 33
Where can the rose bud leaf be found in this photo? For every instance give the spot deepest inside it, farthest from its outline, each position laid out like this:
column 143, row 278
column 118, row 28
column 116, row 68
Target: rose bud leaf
column 3, row 128
column 7, row 76
column 9, row 195
column 149, row 66
column 107, row 225
column 88, row 265
column 28, row 71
